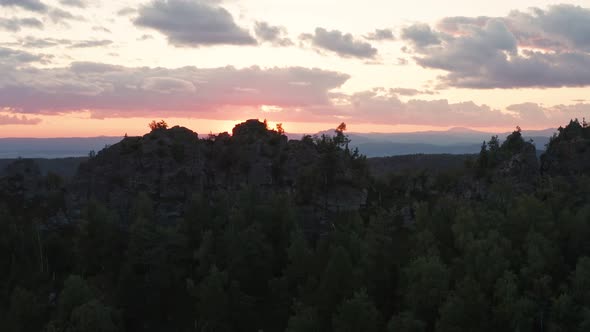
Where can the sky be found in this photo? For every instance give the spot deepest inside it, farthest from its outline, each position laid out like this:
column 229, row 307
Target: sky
column 80, row 68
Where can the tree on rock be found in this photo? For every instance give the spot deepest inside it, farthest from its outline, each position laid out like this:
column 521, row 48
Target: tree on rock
column 158, row 125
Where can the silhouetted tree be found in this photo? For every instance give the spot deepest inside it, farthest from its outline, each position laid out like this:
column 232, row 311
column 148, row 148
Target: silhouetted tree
column 158, row 125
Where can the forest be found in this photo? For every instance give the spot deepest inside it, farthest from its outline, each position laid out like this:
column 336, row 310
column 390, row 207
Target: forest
column 253, row 232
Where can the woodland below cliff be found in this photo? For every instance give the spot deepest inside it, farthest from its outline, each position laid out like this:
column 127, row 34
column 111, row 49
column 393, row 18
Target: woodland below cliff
column 255, row 232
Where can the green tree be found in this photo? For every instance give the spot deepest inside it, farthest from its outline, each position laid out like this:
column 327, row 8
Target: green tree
column 25, row 314
column 76, row 292
column 405, row 322
column 465, row 310
column 512, row 311
column 93, row 316
column 581, row 281
column 483, row 159
column 305, row 319
column 426, row 286
column 101, row 241
column 213, row 303
column 357, row 314
column 564, row 314
column 336, row 285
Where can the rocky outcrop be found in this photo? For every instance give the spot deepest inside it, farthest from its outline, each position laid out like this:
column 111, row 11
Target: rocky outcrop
column 165, row 164
column 568, row 153
column 171, row 165
column 521, row 165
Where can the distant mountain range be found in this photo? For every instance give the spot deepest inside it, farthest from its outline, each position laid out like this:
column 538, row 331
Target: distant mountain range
column 53, row 147
column 452, row 141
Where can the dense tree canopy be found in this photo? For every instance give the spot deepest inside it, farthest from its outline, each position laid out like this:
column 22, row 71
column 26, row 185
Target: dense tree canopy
column 487, row 249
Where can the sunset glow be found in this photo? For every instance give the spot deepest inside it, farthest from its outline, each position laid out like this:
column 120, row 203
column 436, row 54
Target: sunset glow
column 90, row 68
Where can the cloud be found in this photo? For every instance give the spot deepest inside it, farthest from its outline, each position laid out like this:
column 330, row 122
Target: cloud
column 74, row 3
column 109, row 90
column 538, row 48
column 384, row 107
column 126, row 11
column 275, row 35
column 91, row 43
column 410, row 92
column 59, row 16
column 98, row 28
column 536, row 114
column 145, row 37
column 17, row 120
column 290, row 94
column 380, row 34
column 16, row 24
column 193, row 23
column 32, row 5
column 402, row 61
column 10, row 57
column 167, row 85
column 560, row 26
column 421, row 35
column 34, row 42
column 345, row 45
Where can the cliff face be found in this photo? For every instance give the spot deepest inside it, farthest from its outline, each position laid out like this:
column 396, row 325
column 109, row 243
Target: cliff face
column 521, row 165
column 171, row 165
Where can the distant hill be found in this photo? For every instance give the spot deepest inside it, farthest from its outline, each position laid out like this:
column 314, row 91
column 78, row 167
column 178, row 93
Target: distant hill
column 53, row 147
column 385, row 149
column 452, row 141
column 64, row 167
column 433, row 163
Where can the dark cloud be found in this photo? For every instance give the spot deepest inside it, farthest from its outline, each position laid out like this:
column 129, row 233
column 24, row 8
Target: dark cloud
column 17, row 120
column 16, row 24
column 381, row 34
column 421, row 35
column 566, row 27
column 32, row 5
column 193, row 23
column 539, row 48
column 345, row 45
column 109, row 90
column 11, row 57
column 275, row 35
column 74, row 3
column 91, row 43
